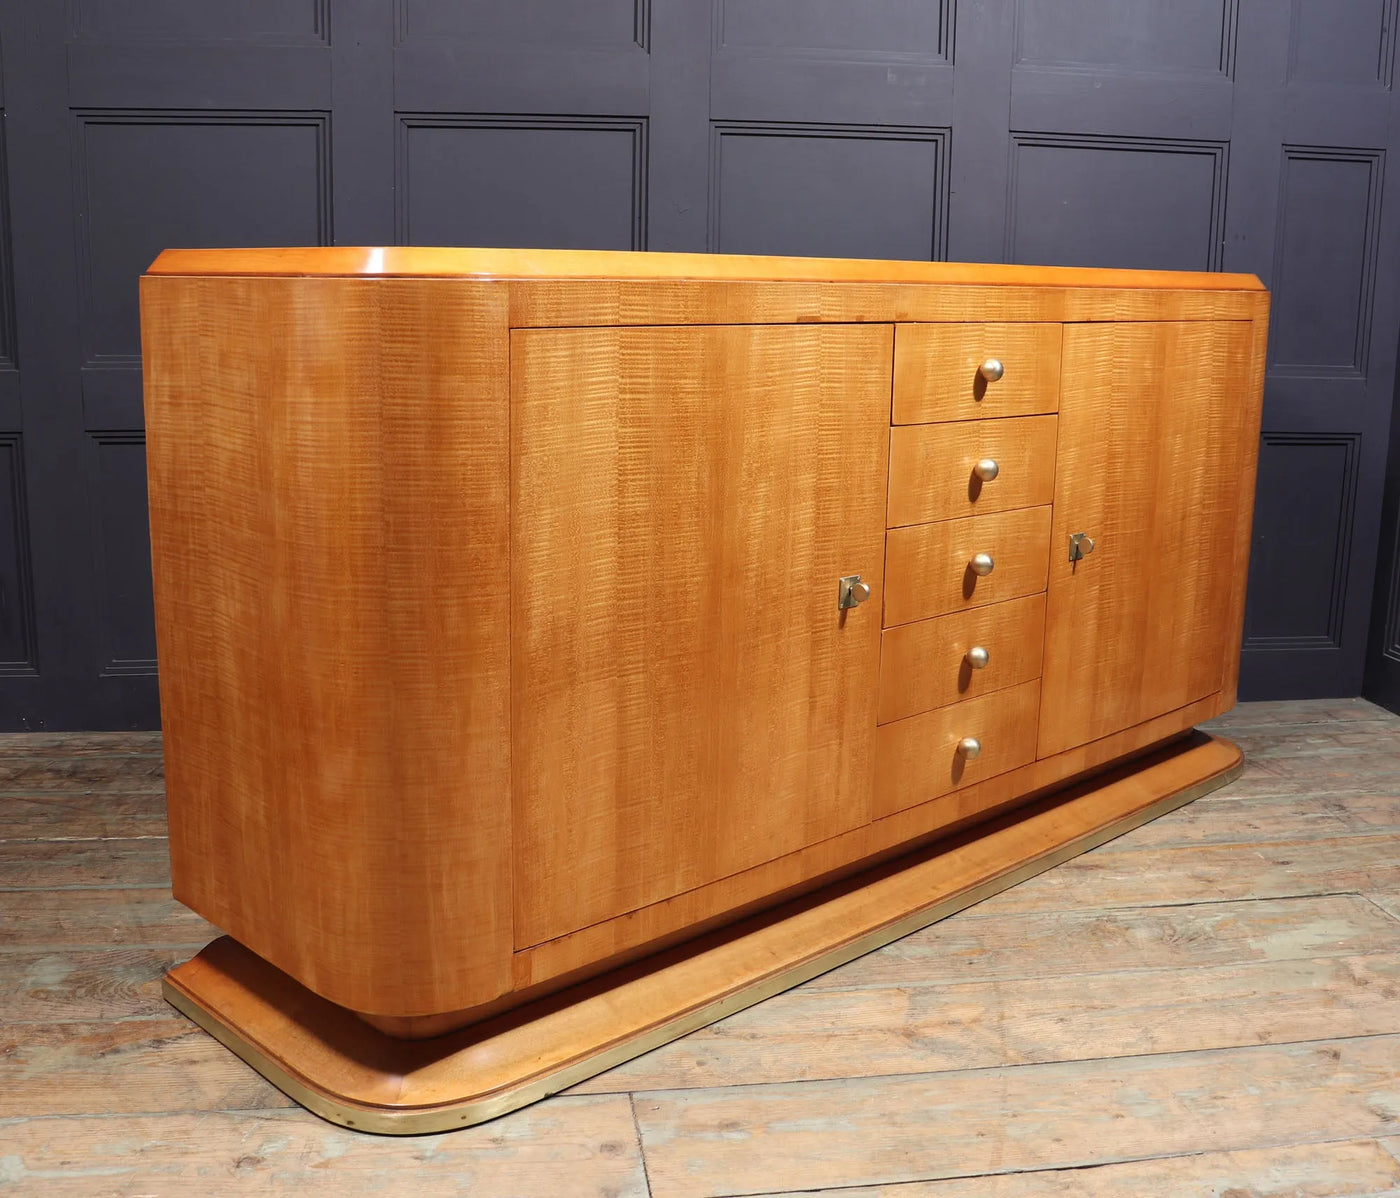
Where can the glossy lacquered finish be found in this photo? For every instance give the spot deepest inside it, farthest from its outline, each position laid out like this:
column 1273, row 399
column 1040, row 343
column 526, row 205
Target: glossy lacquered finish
column 512, row 620
column 353, row 1075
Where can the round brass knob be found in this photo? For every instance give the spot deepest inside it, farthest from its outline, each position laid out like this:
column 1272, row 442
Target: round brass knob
column 991, row 369
column 970, row 747
column 987, row 469
column 982, row 564
column 977, row 657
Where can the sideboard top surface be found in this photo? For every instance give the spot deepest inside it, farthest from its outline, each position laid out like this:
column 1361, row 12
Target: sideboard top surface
column 446, row 262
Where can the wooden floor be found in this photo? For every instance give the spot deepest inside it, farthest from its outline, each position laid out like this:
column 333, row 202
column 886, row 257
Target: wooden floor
column 1209, row 1005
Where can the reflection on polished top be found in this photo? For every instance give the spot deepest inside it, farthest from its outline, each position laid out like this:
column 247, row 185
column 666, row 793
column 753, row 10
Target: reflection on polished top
column 436, row 262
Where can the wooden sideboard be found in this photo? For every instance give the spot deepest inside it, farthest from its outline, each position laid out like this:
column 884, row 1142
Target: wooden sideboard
column 531, row 617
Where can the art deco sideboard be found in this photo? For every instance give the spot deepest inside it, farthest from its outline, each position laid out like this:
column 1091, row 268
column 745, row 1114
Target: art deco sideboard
column 561, row 650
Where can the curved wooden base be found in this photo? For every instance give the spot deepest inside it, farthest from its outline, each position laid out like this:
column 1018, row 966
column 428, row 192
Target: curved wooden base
column 334, row 1064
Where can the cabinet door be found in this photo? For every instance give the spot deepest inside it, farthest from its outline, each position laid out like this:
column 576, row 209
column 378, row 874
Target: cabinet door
column 1152, row 441
column 687, row 699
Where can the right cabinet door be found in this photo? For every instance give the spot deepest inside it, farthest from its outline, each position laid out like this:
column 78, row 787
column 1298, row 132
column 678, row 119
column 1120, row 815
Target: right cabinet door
column 1150, row 465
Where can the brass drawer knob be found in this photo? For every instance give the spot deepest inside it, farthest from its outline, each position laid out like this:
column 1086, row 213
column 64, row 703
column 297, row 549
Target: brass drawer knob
column 987, row 469
column 991, row 369
column 977, row 657
column 981, row 564
column 970, row 747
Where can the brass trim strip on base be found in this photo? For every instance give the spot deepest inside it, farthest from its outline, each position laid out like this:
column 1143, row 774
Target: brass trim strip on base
column 476, row 1108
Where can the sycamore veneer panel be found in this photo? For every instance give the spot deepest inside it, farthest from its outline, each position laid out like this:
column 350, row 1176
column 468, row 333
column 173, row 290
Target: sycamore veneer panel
column 329, row 508
column 1154, row 424
column 926, row 565
column 937, row 371
column 925, row 665
column 674, row 523
column 931, row 468
column 497, row 590
column 919, row 758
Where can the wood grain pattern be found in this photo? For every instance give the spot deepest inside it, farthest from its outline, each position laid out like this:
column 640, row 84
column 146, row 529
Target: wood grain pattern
column 1250, row 399
column 931, row 465
column 926, row 565
column 332, row 1062
column 625, row 938
column 473, row 693
column 98, row 918
column 688, row 699
column 1152, row 434
column 329, row 488
column 1198, row 873
column 1333, row 1169
column 581, row 1147
column 1316, row 769
column 124, row 1066
column 983, row 947
column 924, row 665
column 890, row 1031
column 727, row 1141
column 936, row 371
column 435, row 261
column 918, row 758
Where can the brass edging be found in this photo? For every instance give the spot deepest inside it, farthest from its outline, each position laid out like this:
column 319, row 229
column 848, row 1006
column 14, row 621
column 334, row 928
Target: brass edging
column 447, row 1116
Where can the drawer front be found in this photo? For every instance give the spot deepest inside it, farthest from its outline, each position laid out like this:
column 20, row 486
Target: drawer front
column 926, row 664
column 919, row 758
column 933, row 472
column 928, row 571
column 938, row 371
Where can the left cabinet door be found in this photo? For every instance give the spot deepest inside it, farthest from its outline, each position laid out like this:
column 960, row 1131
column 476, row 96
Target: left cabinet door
column 687, row 699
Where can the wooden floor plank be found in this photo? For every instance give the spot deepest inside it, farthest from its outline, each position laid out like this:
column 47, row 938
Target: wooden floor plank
column 49, row 864
column 79, row 986
column 1344, row 1169
column 1122, row 875
column 571, row 1147
column 1387, row 902
column 77, row 744
column 134, row 1066
column 1392, row 1145
column 1284, row 712
column 51, row 919
column 807, row 1035
column 62, row 815
column 816, row 1135
column 978, row 947
column 114, row 772
column 1230, row 818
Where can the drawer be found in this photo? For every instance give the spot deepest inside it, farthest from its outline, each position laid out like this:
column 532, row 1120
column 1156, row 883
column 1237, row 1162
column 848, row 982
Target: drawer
column 925, row 665
column 938, row 375
column 919, row 758
column 928, row 572
column 932, row 474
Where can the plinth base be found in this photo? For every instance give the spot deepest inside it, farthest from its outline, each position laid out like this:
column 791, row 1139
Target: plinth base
column 331, row 1062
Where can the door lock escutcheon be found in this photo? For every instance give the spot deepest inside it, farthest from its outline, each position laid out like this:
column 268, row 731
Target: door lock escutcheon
column 852, row 592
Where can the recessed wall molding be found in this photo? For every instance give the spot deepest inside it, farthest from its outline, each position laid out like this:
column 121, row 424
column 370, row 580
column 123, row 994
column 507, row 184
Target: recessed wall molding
column 128, row 168
column 836, row 29
column 1164, row 37
column 17, row 640
column 1309, row 569
column 575, row 24
column 122, row 553
column 1324, row 272
column 600, row 159
column 1350, row 42
column 1153, row 168
column 251, row 23
column 923, row 216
